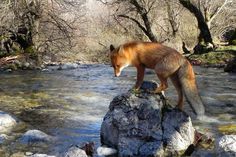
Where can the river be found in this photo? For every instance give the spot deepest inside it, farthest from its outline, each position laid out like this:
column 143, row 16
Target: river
column 70, row 104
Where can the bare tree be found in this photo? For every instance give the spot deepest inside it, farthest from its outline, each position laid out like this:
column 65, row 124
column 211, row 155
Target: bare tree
column 41, row 25
column 205, row 34
column 207, row 13
column 137, row 11
column 212, row 9
column 220, row 16
column 173, row 12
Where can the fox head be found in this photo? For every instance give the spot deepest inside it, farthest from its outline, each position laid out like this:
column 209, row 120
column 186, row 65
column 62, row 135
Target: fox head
column 118, row 59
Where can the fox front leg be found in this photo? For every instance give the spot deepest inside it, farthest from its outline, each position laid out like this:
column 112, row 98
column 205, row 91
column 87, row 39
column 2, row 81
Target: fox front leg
column 139, row 81
column 140, row 76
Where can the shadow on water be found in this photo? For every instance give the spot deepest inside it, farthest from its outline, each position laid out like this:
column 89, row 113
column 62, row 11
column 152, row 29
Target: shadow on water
column 70, row 104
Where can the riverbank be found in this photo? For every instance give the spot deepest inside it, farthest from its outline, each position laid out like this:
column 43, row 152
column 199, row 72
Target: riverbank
column 222, row 57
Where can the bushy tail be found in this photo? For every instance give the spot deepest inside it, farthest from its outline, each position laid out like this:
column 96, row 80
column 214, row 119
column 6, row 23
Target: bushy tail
column 188, row 83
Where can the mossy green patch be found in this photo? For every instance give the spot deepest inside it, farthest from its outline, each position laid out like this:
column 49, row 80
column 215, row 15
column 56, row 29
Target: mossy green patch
column 40, row 95
column 227, row 48
column 12, row 66
column 30, row 50
column 18, row 154
column 18, row 103
column 213, row 57
column 233, row 42
column 2, row 37
column 227, row 129
column 3, row 153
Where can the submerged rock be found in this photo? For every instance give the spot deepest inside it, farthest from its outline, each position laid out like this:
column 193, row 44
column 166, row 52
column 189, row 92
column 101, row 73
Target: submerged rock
column 136, row 125
column 226, row 146
column 7, row 122
column 35, row 136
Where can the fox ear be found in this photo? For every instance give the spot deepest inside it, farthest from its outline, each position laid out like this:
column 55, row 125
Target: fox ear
column 112, row 47
column 121, row 49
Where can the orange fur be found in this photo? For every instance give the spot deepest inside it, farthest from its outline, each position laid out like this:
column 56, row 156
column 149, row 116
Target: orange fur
column 167, row 63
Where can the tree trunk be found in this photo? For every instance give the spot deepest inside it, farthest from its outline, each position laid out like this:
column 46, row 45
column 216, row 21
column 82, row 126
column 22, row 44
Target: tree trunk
column 171, row 19
column 144, row 15
column 205, row 35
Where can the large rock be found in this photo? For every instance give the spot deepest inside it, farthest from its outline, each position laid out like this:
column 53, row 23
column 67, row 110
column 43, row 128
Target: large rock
column 226, row 146
column 136, row 125
column 35, row 136
column 7, row 122
column 178, row 130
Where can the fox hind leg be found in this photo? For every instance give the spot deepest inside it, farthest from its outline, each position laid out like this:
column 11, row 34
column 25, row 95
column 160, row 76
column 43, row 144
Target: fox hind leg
column 176, row 82
column 163, row 84
column 163, row 72
column 164, row 69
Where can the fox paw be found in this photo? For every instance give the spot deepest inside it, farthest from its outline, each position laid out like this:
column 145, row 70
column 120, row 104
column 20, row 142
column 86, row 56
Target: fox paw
column 154, row 92
column 135, row 91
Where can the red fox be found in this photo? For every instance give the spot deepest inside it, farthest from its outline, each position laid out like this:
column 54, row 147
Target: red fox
column 167, row 63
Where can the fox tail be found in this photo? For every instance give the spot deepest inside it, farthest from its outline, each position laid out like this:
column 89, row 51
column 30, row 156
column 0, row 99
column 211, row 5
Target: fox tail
column 188, row 83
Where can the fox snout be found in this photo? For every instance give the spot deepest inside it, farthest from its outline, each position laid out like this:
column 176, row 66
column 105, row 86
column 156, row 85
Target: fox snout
column 117, row 72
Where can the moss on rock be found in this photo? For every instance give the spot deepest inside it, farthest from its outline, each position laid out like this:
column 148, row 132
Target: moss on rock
column 213, row 58
column 221, row 56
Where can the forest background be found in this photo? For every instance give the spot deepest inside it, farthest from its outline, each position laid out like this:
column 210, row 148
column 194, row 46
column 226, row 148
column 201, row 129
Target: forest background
column 46, row 31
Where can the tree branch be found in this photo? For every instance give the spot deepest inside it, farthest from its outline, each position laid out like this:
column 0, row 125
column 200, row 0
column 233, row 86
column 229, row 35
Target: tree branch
column 136, row 21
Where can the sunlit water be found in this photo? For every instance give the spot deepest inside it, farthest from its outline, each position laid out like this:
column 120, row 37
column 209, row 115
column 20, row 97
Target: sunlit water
column 70, row 104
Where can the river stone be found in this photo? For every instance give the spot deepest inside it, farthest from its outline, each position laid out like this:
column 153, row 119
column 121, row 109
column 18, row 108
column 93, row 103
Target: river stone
column 136, row 126
column 35, row 136
column 75, row 152
column 105, row 151
column 231, row 66
column 3, row 138
column 68, row 66
column 39, row 155
column 226, row 146
column 7, row 122
column 26, row 65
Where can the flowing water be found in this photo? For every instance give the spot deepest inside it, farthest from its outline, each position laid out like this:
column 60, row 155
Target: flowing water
column 70, row 104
